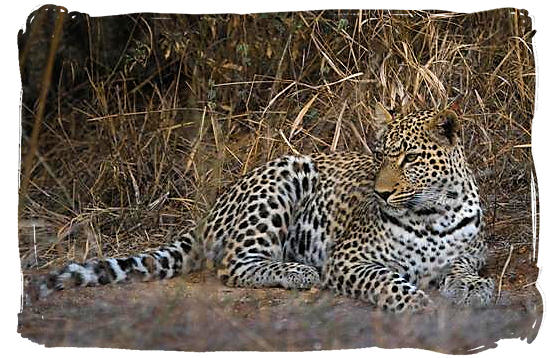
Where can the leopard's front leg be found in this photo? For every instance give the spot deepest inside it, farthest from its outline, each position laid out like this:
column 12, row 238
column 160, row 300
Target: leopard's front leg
column 374, row 283
column 463, row 285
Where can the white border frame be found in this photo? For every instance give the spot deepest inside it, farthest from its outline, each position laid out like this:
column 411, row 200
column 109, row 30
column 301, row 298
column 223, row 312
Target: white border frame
column 14, row 19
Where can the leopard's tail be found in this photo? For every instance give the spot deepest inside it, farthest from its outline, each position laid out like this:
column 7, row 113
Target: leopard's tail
column 184, row 255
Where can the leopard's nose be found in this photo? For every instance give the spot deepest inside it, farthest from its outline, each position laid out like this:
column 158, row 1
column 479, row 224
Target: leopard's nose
column 384, row 194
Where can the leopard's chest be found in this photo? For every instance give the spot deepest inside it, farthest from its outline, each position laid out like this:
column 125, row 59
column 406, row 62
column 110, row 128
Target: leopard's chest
column 422, row 247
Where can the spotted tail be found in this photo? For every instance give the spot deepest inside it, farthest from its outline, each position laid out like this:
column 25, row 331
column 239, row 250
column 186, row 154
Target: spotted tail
column 182, row 256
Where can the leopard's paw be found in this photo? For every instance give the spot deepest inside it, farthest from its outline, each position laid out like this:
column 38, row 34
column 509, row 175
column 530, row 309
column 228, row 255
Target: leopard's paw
column 412, row 301
column 468, row 290
column 303, row 277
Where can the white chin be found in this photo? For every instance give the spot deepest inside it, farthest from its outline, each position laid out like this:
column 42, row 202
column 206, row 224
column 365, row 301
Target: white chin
column 394, row 209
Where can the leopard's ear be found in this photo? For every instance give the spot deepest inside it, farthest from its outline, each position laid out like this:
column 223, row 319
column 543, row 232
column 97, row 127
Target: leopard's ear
column 381, row 114
column 445, row 126
column 382, row 118
column 456, row 105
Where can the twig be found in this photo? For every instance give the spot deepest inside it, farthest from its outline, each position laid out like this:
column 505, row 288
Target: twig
column 149, row 111
column 277, row 96
column 338, row 129
column 503, row 271
column 288, row 143
column 197, row 143
column 298, row 120
column 46, row 80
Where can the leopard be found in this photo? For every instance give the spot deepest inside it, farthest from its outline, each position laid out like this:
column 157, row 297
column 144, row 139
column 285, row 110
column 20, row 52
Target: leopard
column 383, row 227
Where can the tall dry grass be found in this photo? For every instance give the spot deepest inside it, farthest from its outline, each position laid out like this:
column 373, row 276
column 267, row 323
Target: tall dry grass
column 147, row 117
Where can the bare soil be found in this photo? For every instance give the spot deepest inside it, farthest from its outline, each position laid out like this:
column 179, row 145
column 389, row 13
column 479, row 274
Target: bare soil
column 198, row 313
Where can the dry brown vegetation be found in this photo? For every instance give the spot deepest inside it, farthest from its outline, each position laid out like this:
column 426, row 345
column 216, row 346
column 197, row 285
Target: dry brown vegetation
column 133, row 124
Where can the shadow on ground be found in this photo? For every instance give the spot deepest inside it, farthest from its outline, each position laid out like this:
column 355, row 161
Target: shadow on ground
column 197, row 313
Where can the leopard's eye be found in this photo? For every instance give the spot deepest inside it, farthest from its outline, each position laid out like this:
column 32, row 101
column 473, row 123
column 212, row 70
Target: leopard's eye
column 378, row 155
column 411, row 157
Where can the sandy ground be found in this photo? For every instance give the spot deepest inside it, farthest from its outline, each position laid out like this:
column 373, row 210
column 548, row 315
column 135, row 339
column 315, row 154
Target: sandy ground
column 197, row 313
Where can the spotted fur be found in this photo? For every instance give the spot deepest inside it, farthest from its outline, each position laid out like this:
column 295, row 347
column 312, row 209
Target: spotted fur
column 380, row 228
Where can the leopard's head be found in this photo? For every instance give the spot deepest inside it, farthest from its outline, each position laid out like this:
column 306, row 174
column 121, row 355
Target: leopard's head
column 422, row 165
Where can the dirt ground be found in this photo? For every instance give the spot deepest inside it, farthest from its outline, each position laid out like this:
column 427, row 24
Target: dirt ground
column 197, row 313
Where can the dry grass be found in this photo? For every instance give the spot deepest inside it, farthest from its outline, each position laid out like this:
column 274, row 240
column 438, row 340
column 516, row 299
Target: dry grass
column 147, row 117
